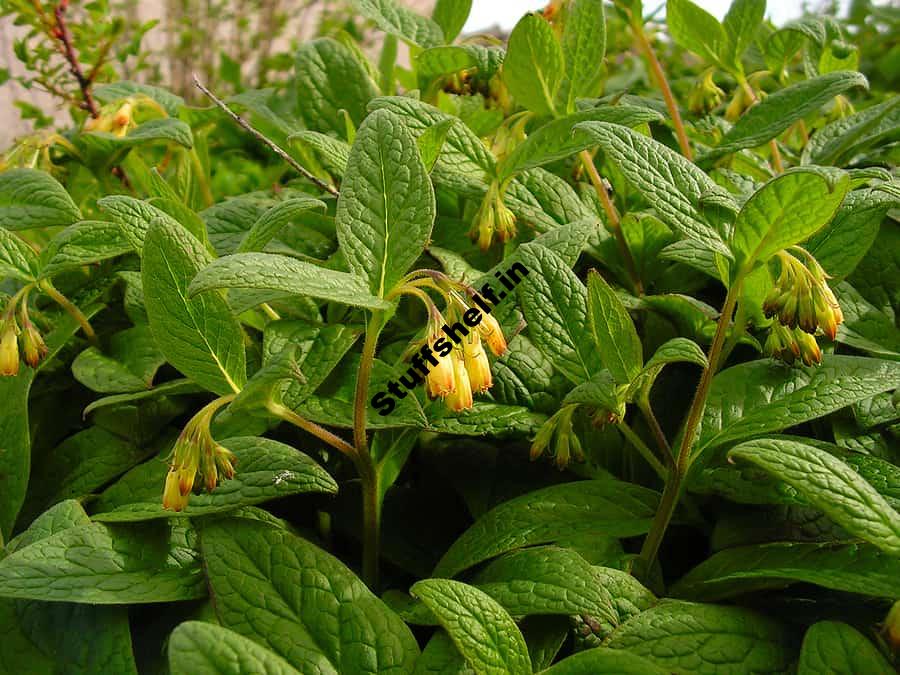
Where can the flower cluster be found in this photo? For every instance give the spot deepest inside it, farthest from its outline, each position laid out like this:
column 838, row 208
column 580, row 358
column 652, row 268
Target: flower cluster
column 802, row 301
column 493, row 218
column 705, row 95
column 116, row 120
column 557, row 439
column 33, row 347
column 197, row 461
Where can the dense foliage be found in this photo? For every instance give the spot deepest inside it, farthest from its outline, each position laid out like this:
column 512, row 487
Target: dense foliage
column 237, row 435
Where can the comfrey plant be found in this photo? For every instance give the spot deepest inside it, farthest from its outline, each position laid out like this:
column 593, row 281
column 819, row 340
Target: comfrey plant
column 573, row 354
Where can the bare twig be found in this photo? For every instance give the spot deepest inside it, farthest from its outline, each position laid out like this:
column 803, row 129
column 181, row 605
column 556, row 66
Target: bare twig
column 273, row 146
column 61, row 32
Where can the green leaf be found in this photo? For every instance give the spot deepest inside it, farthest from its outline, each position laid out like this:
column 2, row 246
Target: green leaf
column 274, row 220
column 266, row 470
column 17, row 259
column 829, row 485
column 584, row 46
column 431, row 141
column 116, row 91
column 199, row 648
column 445, row 60
column 441, row 657
column 197, row 335
column 66, row 514
column 851, row 568
column 271, row 272
column 784, row 212
column 603, row 660
column 533, row 69
column 778, row 111
column 687, row 637
column 548, row 515
column 451, row 16
column 865, row 327
column 168, row 130
column 835, row 647
column 760, row 397
column 481, row 629
column 555, row 304
column 329, row 78
column 102, row 564
column 290, row 596
column 547, row 580
column 170, row 388
column 129, row 366
column 559, row 138
column 386, row 208
column 696, row 30
column 133, row 216
column 30, row 198
column 615, row 336
column 741, row 24
column 331, row 151
column 673, row 186
column 485, row 419
column 837, row 142
column 676, row 350
column 85, row 243
column 397, row 20
column 840, row 245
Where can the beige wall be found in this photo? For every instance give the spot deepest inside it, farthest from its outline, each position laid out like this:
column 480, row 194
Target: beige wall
column 11, row 126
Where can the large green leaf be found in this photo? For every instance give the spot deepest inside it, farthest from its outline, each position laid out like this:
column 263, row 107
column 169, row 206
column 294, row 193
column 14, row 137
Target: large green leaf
column 483, row 632
column 133, row 217
column 386, row 208
column 198, row 335
column 758, row 397
column 686, row 637
column 615, row 336
column 583, row 45
column 283, row 274
column 785, row 211
column 676, row 188
column 294, row 598
column 741, row 24
column 30, row 198
column 441, row 657
column 604, row 660
column 829, row 485
column 533, row 69
column 106, row 564
column 329, row 78
column 696, row 29
column 548, row 580
column 852, row 568
column 199, row 648
column 554, row 301
column 559, row 138
column 835, row 647
column 604, row 507
column 778, row 111
column 274, row 220
column 265, row 470
column 85, row 243
column 129, row 365
column 17, row 258
column 401, row 22
column 837, row 142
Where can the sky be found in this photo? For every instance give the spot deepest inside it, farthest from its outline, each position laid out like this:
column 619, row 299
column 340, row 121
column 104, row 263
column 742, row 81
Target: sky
column 487, row 13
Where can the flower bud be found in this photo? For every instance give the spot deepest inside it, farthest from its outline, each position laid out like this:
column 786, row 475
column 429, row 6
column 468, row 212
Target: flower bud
column 173, row 499
column 122, row 119
column 9, row 348
column 542, row 438
column 33, row 345
column 891, row 628
column 461, row 397
column 810, row 353
column 506, row 221
column 705, row 95
column 477, row 364
column 491, row 333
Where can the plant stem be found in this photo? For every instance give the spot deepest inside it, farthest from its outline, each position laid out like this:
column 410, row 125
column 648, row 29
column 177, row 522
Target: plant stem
column 642, row 448
column 64, row 36
column 661, row 81
column 371, row 536
column 200, row 173
column 273, row 146
column 658, row 434
column 613, row 219
column 71, row 308
column 672, row 490
column 319, row 432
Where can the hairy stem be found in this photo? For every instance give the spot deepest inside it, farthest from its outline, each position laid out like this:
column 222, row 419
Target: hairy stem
column 660, row 76
column 371, row 533
column 71, row 308
column 658, row 434
column 273, row 146
column 288, row 415
column 672, row 490
column 613, row 219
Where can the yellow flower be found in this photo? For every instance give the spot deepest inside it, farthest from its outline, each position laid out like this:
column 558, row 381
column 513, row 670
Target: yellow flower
column 173, row 499
column 33, row 345
column 477, row 364
column 461, row 397
column 9, row 348
column 491, row 333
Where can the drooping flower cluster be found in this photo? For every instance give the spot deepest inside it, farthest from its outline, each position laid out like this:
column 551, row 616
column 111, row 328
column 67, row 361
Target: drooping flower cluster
column 493, row 219
column 114, row 120
column 802, row 302
column 558, row 440
column 33, row 347
column 705, row 95
column 197, row 460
